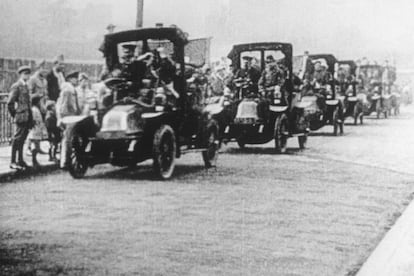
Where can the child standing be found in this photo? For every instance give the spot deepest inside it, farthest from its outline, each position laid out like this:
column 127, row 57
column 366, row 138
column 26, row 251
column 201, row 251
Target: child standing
column 38, row 132
column 53, row 131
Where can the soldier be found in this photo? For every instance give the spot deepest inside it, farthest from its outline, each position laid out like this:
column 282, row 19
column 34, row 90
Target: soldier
column 38, row 85
column 271, row 76
column 132, row 70
column 55, row 78
column 20, row 109
column 249, row 71
column 68, row 105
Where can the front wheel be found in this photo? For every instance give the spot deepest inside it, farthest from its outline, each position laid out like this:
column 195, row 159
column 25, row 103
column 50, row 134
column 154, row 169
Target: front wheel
column 335, row 117
column 302, row 141
column 164, row 151
column 280, row 134
column 77, row 164
column 212, row 144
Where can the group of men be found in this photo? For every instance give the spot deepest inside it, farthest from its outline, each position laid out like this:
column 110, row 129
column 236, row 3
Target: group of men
column 151, row 69
column 52, row 91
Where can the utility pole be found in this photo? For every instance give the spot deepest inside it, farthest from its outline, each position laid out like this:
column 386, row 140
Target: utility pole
column 140, row 13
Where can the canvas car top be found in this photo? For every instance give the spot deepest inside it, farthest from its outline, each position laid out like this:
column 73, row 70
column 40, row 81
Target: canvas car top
column 285, row 48
column 329, row 58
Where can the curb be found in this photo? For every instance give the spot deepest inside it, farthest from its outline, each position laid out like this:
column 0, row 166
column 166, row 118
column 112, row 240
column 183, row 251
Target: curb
column 12, row 175
column 394, row 255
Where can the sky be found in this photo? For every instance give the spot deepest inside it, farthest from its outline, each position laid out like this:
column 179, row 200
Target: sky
column 350, row 29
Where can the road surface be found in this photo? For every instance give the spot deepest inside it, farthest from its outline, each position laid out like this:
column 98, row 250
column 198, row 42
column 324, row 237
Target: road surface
column 320, row 211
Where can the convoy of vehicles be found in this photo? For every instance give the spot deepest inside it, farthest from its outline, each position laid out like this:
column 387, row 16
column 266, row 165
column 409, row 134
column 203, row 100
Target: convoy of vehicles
column 148, row 117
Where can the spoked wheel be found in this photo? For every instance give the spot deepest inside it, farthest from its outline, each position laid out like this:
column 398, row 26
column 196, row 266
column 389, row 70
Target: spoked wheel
column 77, row 164
column 280, row 137
column 378, row 110
column 335, row 117
column 164, row 151
column 302, row 141
column 212, row 144
column 356, row 115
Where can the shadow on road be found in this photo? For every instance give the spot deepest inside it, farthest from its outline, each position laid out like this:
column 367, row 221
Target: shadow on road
column 260, row 150
column 145, row 172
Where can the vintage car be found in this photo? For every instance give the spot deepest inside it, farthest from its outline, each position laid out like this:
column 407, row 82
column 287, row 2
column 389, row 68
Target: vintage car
column 146, row 121
column 371, row 80
column 324, row 106
column 353, row 102
column 263, row 115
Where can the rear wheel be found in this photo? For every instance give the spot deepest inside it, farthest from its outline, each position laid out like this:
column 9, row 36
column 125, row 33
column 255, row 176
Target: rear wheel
column 302, row 141
column 212, row 144
column 77, row 164
column 164, row 151
column 280, row 134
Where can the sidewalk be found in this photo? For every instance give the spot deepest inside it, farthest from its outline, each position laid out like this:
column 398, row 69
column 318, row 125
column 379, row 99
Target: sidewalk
column 394, row 255
column 6, row 174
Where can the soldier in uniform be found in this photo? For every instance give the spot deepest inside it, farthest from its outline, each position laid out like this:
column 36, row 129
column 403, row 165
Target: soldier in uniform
column 20, row 109
column 249, row 71
column 68, row 105
column 132, row 70
column 271, row 76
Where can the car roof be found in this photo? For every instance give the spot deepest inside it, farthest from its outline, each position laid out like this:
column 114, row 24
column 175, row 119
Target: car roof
column 237, row 49
column 175, row 35
column 352, row 64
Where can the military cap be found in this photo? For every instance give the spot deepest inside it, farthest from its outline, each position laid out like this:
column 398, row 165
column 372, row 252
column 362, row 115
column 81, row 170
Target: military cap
column 74, row 74
column 110, row 27
column 23, row 69
column 247, row 58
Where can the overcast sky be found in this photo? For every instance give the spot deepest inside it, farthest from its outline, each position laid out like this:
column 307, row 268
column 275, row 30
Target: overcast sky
column 377, row 29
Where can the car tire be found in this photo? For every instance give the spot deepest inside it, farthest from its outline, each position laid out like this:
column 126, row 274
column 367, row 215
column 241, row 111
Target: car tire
column 77, row 165
column 164, row 152
column 302, row 141
column 212, row 144
column 335, row 121
column 279, row 136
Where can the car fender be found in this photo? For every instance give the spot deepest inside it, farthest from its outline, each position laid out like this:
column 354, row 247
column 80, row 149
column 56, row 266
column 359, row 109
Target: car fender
column 214, row 109
column 303, row 105
column 277, row 108
column 332, row 102
column 150, row 115
column 83, row 124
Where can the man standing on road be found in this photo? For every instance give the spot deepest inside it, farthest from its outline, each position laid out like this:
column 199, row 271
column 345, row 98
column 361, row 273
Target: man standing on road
column 67, row 105
column 20, row 109
column 55, row 79
column 38, row 86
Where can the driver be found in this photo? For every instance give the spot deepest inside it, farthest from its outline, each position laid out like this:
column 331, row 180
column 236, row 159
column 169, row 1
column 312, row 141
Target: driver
column 249, row 72
column 132, row 69
column 271, row 76
column 321, row 76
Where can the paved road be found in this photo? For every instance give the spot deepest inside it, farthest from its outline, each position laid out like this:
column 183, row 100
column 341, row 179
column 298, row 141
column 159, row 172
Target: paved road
column 315, row 212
